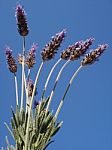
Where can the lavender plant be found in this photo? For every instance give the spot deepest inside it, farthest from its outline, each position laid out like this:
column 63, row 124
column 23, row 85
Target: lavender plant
column 33, row 125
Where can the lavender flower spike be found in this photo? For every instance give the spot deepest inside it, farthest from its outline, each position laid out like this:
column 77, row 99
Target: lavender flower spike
column 10, row 60
column 31, row 56
column 21, row 20
column 67, row 52
column 76, row 53
column 51, row 48
column 94, row 55
column 30, row 87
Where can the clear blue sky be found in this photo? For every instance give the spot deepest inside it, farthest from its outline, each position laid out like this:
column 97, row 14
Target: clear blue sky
column 87, row 112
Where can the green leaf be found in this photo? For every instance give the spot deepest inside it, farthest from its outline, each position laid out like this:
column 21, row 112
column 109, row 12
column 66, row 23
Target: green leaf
column 44, row 103
column 9, row 129
column 16, row 134
column 21, row 133
column 22, row 117
column 7, row 141
column 26, row 119
column 14, row 118
column 46, row 123
column 40, row 119
column 17, row 115
column 47, row 136
column 39, row 141
column 56, row 129
column 48, row 144
column 13, row 124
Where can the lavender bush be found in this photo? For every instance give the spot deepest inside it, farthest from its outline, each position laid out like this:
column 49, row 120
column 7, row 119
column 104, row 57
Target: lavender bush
column 33, row 125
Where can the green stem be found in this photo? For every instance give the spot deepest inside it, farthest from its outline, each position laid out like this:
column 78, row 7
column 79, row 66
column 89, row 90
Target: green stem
column 48, row 78
column 23, row 72
column 56, row 81
column 30, row 107
column 16, row 88
column 67, row 88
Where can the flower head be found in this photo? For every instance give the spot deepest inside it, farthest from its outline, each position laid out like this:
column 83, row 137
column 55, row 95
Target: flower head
column 94, row 55
column 21, row 20
column 30, row 87
column 67, row 52
column 10, row 60
column 30, row 58
column 51, row 48
column 81, row 50
column 75, row 51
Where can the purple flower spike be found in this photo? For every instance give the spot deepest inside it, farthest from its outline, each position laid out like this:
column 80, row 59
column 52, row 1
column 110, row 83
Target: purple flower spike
column 31, row 56
column 94, row 55
column 81, row 50
column 88, row 43
column 21, row 20
column 10, row 60
column 75, row 51
column 51, row 48
column 59, row 36
column 67, row 52
column 30, row 86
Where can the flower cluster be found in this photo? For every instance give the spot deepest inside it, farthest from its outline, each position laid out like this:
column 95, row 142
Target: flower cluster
column 10, row 60
column 67, row 52
column 51, row 48
column 75, row 51
column 21, row 20
column 30, row 87
column 30, row 58
column 94, row 55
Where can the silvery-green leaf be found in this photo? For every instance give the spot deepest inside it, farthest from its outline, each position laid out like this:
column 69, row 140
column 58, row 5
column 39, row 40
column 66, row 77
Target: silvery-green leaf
column 46, row 122
column 9, row 129
column 17, row 115
column 48, row 133
column 13, row 124
column 40, row 119
column 22, row 117
column 21, row 133
column 44, row 103
column 48, row 144
column 14, row 119
column 26, row 119
column 56, row 129
column 39, row 141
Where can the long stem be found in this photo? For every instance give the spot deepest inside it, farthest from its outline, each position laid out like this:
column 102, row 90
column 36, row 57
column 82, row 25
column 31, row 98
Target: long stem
column 23, row 72
column 16, row 89
column 67, row 88
column 28, row 75
column 35, row 84
column 27, row 88
column 56, row 81
column 30, row 107
column 48, row 78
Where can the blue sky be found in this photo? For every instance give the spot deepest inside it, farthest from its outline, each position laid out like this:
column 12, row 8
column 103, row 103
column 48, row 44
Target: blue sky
column 87, row 111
